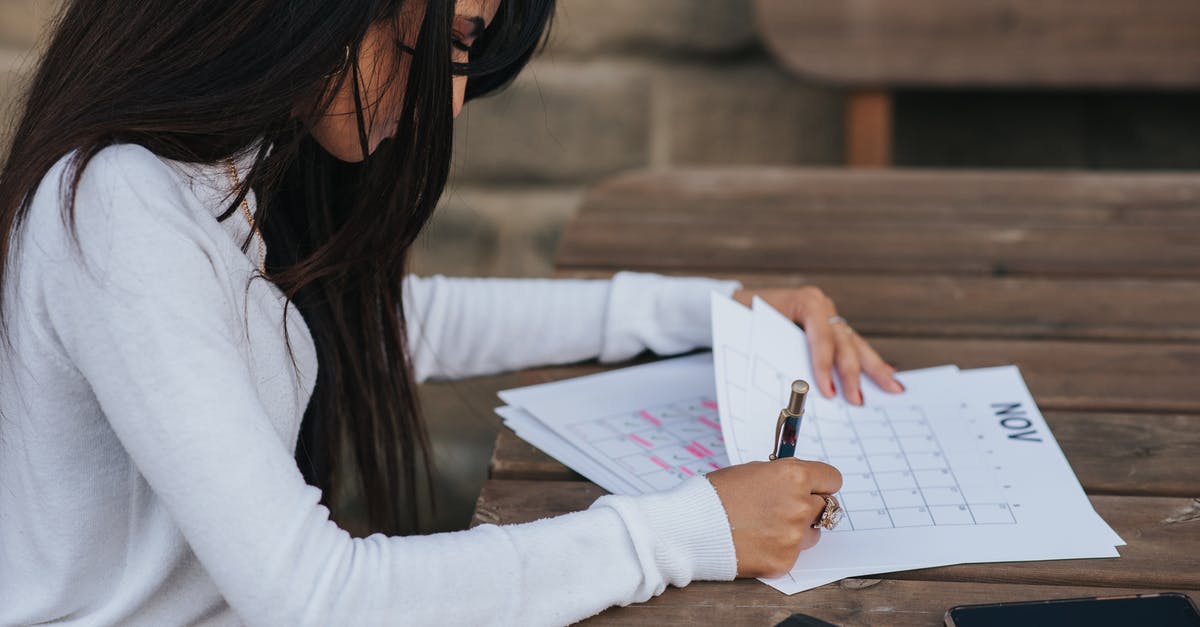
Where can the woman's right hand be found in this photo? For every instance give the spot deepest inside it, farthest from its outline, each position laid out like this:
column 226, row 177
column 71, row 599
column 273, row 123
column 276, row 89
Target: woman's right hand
column 771, row 508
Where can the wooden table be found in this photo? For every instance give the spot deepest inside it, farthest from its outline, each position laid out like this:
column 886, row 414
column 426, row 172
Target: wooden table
column 1089, row 282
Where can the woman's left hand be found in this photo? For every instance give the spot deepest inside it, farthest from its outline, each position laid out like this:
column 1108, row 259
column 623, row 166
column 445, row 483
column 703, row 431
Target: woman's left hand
column 833, row 343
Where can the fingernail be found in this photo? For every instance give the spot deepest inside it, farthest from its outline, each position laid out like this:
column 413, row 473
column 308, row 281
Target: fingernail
column 860, row 397
column 833, row 386
column 900, row 387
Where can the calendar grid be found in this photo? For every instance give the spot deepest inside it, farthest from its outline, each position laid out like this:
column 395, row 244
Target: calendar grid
column 922, row 487
column 660, row 446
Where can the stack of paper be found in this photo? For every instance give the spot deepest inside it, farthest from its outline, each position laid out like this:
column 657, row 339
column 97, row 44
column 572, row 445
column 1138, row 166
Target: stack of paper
column 959, row 468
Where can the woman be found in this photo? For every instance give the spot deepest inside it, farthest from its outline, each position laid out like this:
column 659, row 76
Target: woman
column 205, row 200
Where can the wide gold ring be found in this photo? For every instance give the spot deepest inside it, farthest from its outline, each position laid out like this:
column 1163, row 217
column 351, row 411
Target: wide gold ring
column 831, row 514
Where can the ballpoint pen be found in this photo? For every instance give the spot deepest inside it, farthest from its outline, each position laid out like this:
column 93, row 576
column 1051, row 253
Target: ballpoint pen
column 786, row 429
column 788, row 424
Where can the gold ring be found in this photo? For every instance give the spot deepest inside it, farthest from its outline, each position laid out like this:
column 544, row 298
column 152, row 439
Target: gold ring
column 831, row 514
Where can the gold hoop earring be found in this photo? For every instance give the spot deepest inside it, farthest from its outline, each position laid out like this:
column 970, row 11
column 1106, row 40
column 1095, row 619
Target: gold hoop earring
column 342, row 68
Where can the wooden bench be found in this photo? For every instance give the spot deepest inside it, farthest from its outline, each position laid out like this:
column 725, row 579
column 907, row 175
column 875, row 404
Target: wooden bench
column 1108, row 343
column 874, row 46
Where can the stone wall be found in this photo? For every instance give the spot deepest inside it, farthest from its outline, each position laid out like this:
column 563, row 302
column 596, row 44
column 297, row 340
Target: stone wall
column 623, row 84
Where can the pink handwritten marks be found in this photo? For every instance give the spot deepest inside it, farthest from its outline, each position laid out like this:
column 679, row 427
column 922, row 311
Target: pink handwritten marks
column 659, row 447
column 639, row 440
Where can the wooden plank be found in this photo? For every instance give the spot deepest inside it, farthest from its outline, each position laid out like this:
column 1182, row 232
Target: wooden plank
column 1073, row 376
column 848, row 602
column 514, row 458
column 1163, row 536
column 1130, row 454
column 794, row 196
column 1054, row 43
column 1084, row 376
column 754, row 245
column 1019, row 308
column 869, row 129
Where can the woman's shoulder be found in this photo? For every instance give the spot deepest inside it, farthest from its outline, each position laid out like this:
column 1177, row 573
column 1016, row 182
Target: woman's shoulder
column 113, row 173
column 121, row 189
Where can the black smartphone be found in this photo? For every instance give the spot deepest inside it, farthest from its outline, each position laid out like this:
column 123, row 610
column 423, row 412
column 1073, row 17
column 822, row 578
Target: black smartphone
column 1165, row 609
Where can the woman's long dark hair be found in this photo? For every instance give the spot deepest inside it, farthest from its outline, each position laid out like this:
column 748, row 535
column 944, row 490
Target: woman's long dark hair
column 203, row 80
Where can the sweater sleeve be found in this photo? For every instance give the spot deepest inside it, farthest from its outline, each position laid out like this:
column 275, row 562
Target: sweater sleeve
column 141, row 315
column 465, row 327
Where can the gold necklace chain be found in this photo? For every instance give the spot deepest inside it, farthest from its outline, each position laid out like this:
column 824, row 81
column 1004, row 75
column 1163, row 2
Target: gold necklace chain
column 231, row 169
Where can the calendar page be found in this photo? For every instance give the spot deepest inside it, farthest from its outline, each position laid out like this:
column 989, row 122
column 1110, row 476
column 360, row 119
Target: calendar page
column 930, row 476
column 653, row 425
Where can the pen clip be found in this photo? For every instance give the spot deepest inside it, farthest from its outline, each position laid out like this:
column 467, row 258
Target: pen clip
column 778, row 433
column 795, row 408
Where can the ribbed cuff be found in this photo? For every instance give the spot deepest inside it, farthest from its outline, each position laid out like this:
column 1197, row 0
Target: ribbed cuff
column 693, row 540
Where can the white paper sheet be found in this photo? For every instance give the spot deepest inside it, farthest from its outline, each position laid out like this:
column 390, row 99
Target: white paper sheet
column 533, row 431
column 732, row 325
column 653, row 425
column 922, row 485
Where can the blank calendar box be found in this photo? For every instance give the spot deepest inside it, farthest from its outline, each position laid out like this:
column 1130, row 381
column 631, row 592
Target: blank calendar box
column 992, row 513
column 873, row 429
column 768, row 380
column 832, row 430
column 857, row 482
column 627, row 423
column 902, row 480
column 942, row 496
column 912, row 428
column 981, row 492
column 663, row 480
column 941, row 477
column 736, row 400
column 926, row 461
column 887, row 463
column 736, row 363
column 691, row 430
column 869, row 519
column 880, row 445
column 906, row 414
column 589, row 431
column 951, row 515
column 865, row 414
column 919, row 444
column 860, row 500
column 840, row 446
column 849, row 463
column 911, row 517
column 903, row 498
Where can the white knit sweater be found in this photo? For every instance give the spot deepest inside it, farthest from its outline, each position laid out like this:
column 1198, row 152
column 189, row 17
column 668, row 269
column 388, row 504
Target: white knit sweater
column 149, row 412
